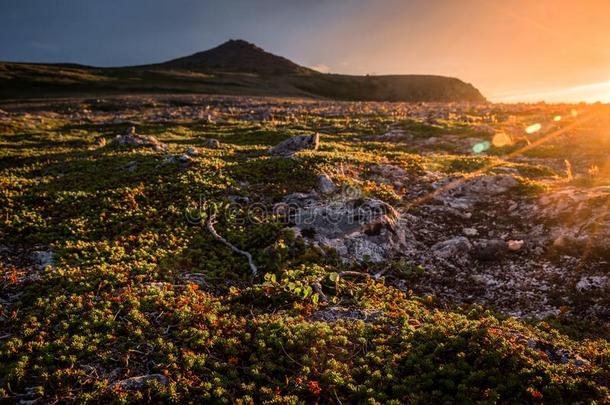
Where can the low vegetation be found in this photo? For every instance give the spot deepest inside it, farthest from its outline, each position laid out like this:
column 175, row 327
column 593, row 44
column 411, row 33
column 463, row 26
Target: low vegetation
column 135, row 286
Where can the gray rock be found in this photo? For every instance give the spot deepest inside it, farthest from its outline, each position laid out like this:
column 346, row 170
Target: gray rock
column 333, row 314
column 43, row 259
column 358, row 230
column 192, row 152
column 301, row 200
column 580, row 362
column 326, row 185
column 211, row 143
column 587, row 283
column 488, row 250
column 182, row 160
column 131, row 166
column 388, row 174
column 577, row 219
column 134, row 140
column 139, row 382
column 394, row 135
column 464, row 194
column 457, row 246
column 295, row 144
column 470, row 231
column 238, row 199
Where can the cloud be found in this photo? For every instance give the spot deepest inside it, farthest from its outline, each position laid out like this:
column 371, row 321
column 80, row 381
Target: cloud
column 320, row 67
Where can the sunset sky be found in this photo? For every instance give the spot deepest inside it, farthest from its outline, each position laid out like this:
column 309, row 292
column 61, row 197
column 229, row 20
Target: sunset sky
column 513, row 50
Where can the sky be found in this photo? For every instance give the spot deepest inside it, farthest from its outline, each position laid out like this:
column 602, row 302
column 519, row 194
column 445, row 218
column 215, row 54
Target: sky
column 512, row 50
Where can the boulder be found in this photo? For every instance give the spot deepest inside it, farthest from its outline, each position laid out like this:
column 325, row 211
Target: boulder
column 358, row 230
column 295, row 144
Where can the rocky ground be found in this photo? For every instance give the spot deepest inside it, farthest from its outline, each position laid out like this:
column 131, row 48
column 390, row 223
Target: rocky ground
column 173, row 246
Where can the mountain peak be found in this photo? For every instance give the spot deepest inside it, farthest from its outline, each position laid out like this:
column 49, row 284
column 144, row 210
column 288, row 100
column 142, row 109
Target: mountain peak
column 239, row 44
column 237, row 55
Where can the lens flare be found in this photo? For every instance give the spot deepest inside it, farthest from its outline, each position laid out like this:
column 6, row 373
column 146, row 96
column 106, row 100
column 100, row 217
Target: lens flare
column 501, row 139
column 532, row 129
column 557, row 118
column 574, row 113
column 481, row 147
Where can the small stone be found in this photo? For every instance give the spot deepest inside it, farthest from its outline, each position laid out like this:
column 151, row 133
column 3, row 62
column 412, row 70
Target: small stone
column 452, row 247
column 211, row 143
column 43, row 259
column 292, row 145
column 515, row 245
column 192, row 152
column 592, row 283
column 131, row 166
column 334, row 314
column 580, row 362
column 238, row 199
column 182, row 160
column 139, row 382
column 326, row 185
column 135, row 140
column 488, row 250
column 470, row 232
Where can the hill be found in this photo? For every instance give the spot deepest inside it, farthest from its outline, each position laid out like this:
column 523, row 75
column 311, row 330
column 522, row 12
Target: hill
column 237, row 55
column 235, row 67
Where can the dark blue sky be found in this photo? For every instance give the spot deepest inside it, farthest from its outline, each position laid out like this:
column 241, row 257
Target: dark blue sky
column 513, row 49
column 123, row 32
